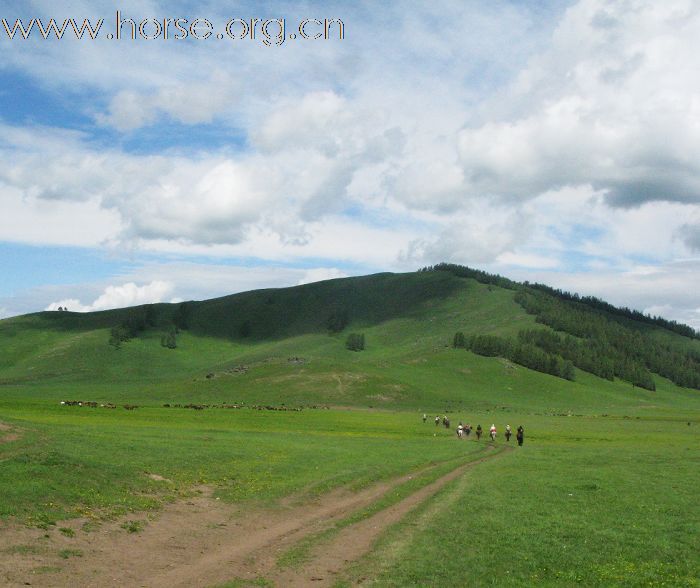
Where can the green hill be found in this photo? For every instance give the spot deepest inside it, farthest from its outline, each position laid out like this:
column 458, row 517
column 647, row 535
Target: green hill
column 610, row 456
column 287, row 346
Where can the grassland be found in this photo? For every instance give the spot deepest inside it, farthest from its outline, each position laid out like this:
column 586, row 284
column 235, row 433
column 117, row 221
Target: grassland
column 602, row 493
column 589, row 501
column 93, row 462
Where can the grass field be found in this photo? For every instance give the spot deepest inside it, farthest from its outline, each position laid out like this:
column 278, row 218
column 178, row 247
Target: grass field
column 593, row 500
column 81, row 460
column 589, row 501
column 602, row 493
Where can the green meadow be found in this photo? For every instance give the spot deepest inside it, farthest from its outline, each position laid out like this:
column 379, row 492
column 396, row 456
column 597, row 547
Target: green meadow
column 587, row 500
column 602, row 493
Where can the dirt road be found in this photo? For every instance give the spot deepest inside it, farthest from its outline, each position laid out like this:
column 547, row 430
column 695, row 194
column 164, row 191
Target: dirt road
column 202, row 542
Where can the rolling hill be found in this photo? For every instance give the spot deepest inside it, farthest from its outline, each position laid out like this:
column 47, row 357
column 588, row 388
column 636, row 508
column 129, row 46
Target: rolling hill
column 600, row 494
column 287, row 346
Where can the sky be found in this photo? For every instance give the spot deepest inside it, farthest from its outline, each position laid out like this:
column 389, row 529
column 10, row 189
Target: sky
column 555, row 141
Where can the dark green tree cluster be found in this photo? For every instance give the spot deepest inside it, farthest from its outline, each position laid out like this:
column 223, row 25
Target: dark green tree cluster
column 591, row 355
column 117, row 336
column 619, row 313
column 138, row 319
column 522, row 353
column 607, row 348
column 459, row 340
column 169, row 339
column 462, row 271
column 337, row 320
column 614, row 312
column 355, row 342
column 245, row 329
column 183, row 315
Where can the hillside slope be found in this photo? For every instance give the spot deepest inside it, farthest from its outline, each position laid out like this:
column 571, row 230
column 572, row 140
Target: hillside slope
column 287, row 346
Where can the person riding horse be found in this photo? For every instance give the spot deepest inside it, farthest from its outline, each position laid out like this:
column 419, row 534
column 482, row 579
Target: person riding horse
column 520, row 435
column 492, row 432
column 479, row 430
column 508, row 432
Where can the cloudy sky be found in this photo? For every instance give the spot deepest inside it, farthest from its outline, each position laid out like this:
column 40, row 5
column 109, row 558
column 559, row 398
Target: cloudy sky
column 549, row 140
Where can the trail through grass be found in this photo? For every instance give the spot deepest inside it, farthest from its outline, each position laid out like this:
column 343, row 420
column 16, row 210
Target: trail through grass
column 594, row 502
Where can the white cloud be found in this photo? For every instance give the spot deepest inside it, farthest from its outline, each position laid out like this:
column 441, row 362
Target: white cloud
column 189, row 104
column 163, row 282
column 27, row 219
column 599, row 107
column 128, row 294
column 477, row 133
column 528, row 260
column 480, row 235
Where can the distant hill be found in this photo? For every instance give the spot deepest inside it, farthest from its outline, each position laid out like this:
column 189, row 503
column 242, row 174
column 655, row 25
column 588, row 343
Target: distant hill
column 591, row 334
column 290, row 344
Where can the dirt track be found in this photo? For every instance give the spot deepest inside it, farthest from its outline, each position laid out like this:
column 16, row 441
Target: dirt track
column 7, row 433
column 203, row 542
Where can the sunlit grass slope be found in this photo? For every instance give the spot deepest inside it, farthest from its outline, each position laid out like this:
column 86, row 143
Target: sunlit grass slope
column 289, row 356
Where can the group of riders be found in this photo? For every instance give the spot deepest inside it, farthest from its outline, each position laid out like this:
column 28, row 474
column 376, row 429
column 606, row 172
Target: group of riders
column 465, row 430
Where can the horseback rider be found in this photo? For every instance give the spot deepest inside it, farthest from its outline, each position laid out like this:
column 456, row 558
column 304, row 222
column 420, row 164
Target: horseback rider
column 508, row 432
column 520, row 435
column 492, row 432
column 479, row 430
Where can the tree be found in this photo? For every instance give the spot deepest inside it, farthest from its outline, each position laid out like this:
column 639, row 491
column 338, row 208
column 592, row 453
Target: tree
column 245, row 329
column 117, row 336
column 459, row 340
column 355, row 342
column 567, row 370
column 337, row 320
column 151, row 316
column 135, row 321
column 183, row 315
column 169, row 339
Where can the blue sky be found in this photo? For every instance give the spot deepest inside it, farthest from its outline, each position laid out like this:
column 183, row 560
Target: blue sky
column 545, row 140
